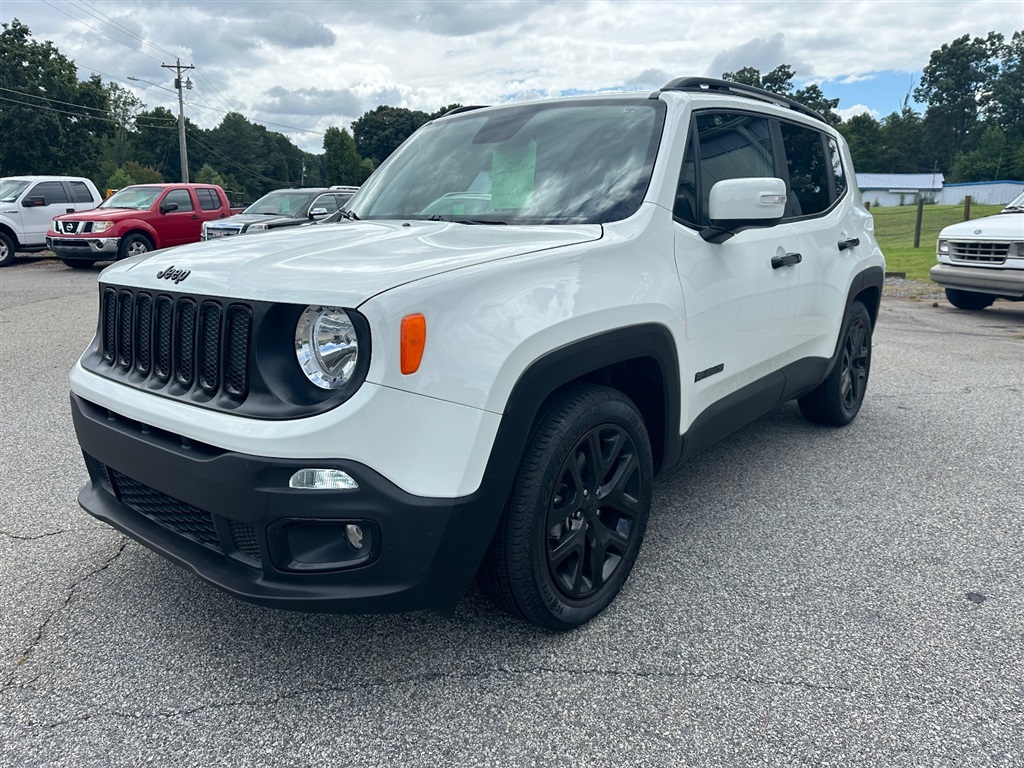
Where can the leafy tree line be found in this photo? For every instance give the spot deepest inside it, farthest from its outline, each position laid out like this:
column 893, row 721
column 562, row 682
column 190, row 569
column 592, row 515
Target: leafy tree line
column 973, row 125
column 52, row 123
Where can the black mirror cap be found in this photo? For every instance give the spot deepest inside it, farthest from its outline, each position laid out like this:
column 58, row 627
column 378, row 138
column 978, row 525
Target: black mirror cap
column 168, row 207
column 36, row 201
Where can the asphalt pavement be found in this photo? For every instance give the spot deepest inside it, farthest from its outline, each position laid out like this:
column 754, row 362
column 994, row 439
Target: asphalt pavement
column 805, row 596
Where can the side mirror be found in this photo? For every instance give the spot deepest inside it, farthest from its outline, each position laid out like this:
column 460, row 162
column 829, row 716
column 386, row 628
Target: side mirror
column 36, row 201
column 318, row 213
column 168, row 207
column 736, row 204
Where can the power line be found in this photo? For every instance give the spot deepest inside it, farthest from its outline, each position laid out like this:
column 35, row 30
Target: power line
column 121, row 27
column 216, row 93
column 100, row 31
column 80, row 115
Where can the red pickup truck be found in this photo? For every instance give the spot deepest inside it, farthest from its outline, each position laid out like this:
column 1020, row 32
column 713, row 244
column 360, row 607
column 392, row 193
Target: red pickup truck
column 136, row 220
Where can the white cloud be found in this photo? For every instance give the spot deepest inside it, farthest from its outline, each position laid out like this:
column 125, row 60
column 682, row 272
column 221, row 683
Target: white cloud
column 857, row 109
column 312, row 63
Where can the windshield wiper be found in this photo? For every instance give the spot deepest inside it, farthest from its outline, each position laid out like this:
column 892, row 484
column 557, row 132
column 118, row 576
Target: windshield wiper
column 350, row 215
column 453, row 220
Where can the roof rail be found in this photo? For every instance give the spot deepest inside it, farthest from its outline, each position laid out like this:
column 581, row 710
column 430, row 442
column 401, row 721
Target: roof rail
column 706, row 84
column 460, row 110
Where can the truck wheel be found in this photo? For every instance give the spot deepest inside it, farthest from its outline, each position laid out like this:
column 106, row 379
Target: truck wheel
column 577, row 513
column 837, row 400
column 78, row 263
column 969, row 299
column 133, row 245
column 7, row 251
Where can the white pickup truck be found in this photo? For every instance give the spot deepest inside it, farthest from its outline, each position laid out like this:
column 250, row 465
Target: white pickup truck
column 28, row 205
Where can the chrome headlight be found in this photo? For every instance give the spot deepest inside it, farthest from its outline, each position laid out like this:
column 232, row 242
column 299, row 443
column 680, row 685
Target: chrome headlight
column 101, row 226
column 943, row 247
column 256, row 228
column 1016, row 250
column 327, row 346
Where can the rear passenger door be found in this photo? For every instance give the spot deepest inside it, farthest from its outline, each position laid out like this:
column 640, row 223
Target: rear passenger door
column 816, row 191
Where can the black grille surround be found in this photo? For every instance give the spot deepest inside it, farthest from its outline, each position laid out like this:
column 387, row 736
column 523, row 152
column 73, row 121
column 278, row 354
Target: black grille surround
column 203, row 350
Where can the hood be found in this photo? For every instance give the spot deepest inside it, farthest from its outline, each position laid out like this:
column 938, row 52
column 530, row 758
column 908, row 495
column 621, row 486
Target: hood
column 1001, row 226
column 101, row 214
column 340, row 264
column 241, row 219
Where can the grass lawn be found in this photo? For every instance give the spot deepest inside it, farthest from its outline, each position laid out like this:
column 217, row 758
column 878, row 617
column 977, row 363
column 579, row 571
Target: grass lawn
column 894, row 228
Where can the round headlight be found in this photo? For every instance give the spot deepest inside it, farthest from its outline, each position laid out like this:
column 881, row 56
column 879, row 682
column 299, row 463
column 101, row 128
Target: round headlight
column 326, row 346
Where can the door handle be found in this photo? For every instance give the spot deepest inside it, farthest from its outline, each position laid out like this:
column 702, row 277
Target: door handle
column 853, row 242
column 194, row 217
column 786, row 261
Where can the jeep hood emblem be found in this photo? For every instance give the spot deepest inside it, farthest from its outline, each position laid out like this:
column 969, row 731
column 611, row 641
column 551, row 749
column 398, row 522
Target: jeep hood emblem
column 177, row 275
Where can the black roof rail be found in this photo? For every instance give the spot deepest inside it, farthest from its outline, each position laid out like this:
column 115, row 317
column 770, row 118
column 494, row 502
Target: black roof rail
column 706, row 84
column 460, row 110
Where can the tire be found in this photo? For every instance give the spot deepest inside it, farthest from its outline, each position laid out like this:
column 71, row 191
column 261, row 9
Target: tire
column 969, row 299
column 837, row 400
column 577, row 512
column 7, row 250
column 134, row 244
column 78, row 263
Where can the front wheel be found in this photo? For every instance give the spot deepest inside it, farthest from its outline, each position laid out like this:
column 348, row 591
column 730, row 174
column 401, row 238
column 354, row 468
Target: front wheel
column 837, row 400
column 133, row 245
column 969, row 299
column 7, row 251
column 577, row 513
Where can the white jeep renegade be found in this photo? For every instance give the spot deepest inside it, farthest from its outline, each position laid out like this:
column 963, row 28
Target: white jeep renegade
column 531, row 312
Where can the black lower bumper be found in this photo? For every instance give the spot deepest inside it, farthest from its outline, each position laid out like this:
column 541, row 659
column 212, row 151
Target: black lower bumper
column 226, row 516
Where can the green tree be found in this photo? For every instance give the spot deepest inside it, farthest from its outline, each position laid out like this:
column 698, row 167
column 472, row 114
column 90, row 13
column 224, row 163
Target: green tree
column 1004, row 102
column 864, row 135
column 208, row 175
column 50, row 122
column 142, row 174
column 379, row 132
column 155, row 143
column 342, row 163
column 953, row 85
column 902, row 147
column 812, row 97
column 122, row 107
column 779, row 80
column 119, row 179
column 987, row 162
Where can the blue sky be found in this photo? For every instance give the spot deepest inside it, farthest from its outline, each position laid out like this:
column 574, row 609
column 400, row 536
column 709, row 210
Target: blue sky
column 300, row 66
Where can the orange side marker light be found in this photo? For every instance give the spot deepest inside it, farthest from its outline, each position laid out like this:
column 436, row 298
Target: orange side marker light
column 414, row 338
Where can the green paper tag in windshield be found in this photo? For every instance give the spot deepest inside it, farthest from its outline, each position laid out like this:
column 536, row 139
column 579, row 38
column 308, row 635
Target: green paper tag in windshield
column 512, row 174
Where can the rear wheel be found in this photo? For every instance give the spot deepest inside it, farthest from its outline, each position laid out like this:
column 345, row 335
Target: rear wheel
column 133, row 245
column 969, row 299
column 577, row 513
column 837, row 400
column 7, row 251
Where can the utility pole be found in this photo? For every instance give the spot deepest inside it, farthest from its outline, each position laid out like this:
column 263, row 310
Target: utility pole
column 182, row 149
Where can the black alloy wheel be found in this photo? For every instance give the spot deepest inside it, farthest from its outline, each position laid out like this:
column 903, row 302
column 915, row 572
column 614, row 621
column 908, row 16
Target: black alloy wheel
column 837, row 400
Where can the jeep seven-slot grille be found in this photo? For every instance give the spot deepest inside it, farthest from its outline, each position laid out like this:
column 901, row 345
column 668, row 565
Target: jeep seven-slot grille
column 978, row 252
column 178, row 342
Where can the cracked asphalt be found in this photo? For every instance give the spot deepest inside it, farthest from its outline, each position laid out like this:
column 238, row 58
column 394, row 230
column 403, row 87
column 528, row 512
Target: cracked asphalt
column 805, row 596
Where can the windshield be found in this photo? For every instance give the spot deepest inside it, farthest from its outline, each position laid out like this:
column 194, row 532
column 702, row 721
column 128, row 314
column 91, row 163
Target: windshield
column 136, row 198
column 283, row 203
column 10, row 189
column 1016, row 206
column 582, row 162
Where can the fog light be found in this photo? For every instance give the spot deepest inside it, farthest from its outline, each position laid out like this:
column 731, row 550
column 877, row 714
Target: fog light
column 323, row 545
column 322, row 480
column 354, row 534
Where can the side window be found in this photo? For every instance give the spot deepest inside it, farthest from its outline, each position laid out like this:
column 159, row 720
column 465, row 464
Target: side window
column 52, row 191
column 80, row 192
column 208, row 199
column 808, row 171
column 722, row 145
column 330, row 202
column 837, row 167
column 181, row 197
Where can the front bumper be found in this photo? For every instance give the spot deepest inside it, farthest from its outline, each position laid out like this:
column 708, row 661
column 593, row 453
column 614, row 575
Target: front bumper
column 1005, row 283
column 225, row 516
column 83, row 247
